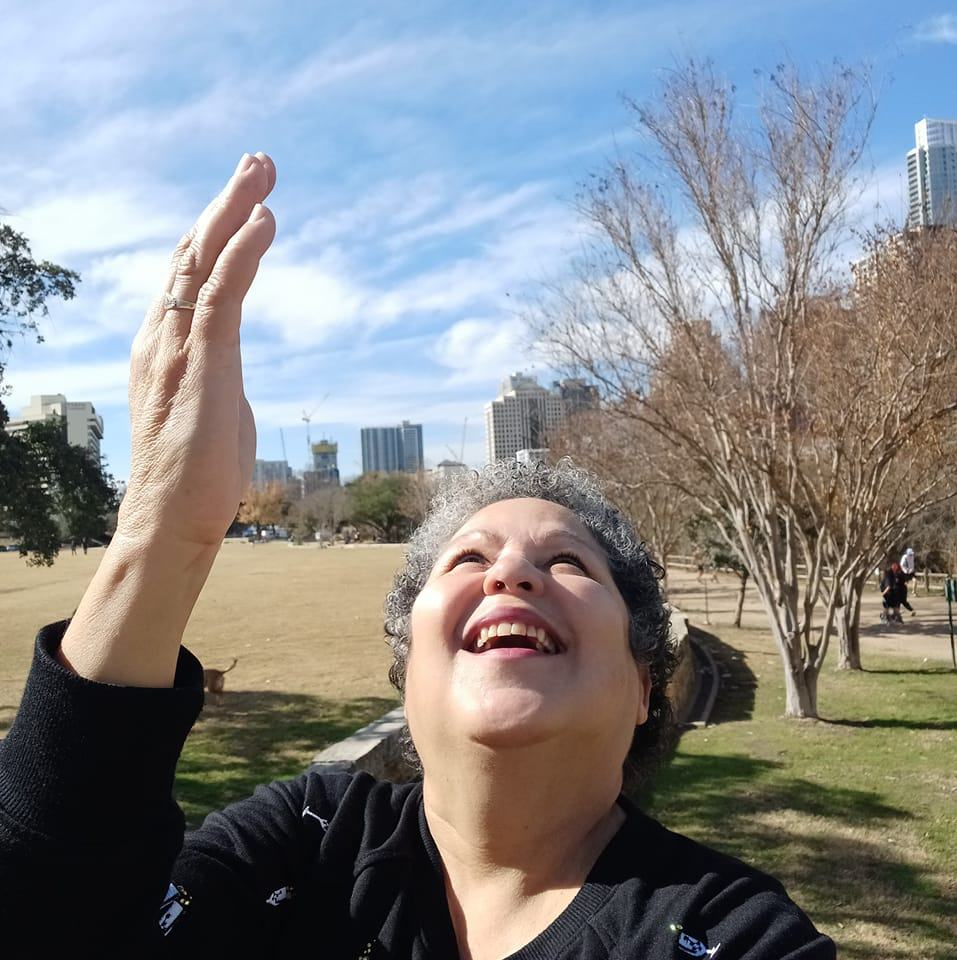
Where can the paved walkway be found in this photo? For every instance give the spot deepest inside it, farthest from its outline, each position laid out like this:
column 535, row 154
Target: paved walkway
column 925, row 635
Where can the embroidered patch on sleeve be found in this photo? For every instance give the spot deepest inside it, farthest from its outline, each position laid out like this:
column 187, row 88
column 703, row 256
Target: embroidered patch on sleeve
column 689, row 946
column 278, row 896
column 175, row 902
column 315, row 816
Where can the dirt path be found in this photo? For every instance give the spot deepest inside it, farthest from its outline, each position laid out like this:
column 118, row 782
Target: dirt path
column 925, row 635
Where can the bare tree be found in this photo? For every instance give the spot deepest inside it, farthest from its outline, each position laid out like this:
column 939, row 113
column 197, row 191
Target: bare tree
column 634, row 462
column 417, row 495
column 324, row 509
column 692, row 308
column 881, row 407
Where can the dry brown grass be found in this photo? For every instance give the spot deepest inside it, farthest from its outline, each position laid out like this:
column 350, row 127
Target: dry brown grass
column 301, row 620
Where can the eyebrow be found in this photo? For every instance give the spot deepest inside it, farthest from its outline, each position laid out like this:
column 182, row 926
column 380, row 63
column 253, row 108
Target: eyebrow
column 556, row 533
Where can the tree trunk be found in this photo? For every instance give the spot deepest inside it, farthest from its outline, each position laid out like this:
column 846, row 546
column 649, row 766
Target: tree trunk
column 800, row 688
column 742, row 586
column 849, row 626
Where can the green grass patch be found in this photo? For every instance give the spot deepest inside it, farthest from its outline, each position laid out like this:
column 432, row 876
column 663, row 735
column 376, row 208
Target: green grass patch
column 856, row 813
column 256, row 737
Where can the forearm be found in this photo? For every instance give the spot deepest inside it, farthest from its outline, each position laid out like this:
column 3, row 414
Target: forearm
column 129, row 625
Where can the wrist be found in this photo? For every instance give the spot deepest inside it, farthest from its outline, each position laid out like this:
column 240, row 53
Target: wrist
column 129, row 625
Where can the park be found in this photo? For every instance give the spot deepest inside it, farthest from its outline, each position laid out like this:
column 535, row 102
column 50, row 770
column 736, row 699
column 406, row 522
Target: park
column 856, row 813
column 744, row 298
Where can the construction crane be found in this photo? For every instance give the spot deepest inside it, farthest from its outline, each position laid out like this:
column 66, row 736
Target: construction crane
column 282, row 440
column 460, row 456
column 307, row 419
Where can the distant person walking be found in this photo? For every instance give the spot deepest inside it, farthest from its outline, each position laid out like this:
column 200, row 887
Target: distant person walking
column 902, row 579
column 890, row 593
column 909, row 566
column 894, row 592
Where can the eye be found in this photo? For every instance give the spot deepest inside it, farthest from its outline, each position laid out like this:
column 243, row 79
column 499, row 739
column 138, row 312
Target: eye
column 464, row 557
column 568, row 558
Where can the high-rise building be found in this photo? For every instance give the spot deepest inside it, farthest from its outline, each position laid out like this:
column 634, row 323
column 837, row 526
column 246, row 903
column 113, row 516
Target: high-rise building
column 266, row 472
column 578, row 394
column 521, row 417
column 325, row 463
column 392, row 449
column 84, row 426
column 932, row 174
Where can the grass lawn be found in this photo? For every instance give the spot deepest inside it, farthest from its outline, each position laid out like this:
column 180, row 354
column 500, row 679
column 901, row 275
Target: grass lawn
column 306, row 625
column 856, row 814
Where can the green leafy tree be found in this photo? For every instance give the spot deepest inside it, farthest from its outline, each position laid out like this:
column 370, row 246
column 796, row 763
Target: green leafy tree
column 41, row 482
column 379, row 502
column 50, row 487
column 25, row 288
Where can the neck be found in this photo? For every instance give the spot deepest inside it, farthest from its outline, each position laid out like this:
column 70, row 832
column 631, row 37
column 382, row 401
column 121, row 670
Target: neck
column 537, row 813
column 518, row 832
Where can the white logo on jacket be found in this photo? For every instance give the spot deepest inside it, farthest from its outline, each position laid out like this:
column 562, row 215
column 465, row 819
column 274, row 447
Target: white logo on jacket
column 695, row 948
column 172, row 907
column 308, row 813
column 277, row 896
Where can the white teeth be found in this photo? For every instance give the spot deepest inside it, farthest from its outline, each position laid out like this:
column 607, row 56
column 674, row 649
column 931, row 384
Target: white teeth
column 543, row 642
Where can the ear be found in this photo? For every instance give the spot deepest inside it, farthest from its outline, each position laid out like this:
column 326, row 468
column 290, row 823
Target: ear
column 644, row 694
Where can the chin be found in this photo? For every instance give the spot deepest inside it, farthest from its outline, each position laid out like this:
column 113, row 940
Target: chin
column 509, row 718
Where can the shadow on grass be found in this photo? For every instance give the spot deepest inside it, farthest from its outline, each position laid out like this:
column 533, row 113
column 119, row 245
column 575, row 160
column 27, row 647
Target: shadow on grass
column 840, row 847
column 892, row 724
column 810, row 837
column 922, row 672
column 255, row 737
column 738, row 682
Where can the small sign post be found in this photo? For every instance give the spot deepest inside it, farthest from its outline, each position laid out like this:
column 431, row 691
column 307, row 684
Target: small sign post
column 950, row 590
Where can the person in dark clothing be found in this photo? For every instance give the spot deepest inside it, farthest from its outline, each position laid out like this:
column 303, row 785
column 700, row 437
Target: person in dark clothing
column 890, row 587
column 530, row 644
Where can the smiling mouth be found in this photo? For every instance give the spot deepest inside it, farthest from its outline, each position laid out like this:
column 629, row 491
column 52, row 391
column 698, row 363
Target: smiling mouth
column 515, row 637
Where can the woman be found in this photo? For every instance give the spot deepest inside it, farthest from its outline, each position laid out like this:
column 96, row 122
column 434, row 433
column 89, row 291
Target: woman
column 529, row 641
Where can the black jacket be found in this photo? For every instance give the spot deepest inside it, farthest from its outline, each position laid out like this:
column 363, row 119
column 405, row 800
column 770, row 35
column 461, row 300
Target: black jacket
column 93, row 857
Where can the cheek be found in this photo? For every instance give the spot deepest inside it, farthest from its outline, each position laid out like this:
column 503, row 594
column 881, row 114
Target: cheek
column 433, row 620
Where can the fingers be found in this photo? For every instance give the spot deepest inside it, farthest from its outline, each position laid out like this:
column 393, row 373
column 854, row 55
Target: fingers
column 220, row 299
column 198, row 251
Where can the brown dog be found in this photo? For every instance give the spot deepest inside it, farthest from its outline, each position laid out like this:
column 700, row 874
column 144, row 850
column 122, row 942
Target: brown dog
column 215, row 680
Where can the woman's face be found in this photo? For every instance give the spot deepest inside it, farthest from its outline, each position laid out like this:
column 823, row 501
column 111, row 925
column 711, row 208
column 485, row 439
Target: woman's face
column 520, row 636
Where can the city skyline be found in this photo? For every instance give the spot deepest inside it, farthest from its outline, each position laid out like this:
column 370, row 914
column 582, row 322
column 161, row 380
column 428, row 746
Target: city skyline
column 410, row 233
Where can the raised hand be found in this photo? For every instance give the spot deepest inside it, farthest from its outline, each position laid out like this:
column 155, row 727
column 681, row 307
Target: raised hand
column 193, row 434
column 194, row 441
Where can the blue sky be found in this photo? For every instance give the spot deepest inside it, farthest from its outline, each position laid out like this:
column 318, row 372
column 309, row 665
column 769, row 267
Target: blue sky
column 428, row 154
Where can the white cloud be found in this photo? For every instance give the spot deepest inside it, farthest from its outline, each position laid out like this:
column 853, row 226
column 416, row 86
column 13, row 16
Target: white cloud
column 102, row 382
column 80, row 220
column 939, row 29
column 125, row 285
column 303, row 301
column 481, row 350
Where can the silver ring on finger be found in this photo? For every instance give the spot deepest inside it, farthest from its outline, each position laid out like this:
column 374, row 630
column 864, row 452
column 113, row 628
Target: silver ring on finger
column 177, row 303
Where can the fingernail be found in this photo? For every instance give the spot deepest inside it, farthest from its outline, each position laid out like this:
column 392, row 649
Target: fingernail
column 259, row 212
column 243, row 163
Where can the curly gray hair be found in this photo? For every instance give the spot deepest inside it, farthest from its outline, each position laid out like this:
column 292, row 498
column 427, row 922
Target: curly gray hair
column 635, row 574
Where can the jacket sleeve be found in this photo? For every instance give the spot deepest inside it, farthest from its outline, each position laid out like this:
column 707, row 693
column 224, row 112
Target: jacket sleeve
column 762, row 925
column 92, row 846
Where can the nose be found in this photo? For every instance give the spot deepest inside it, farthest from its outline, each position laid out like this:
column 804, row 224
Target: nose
column 513, row 573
